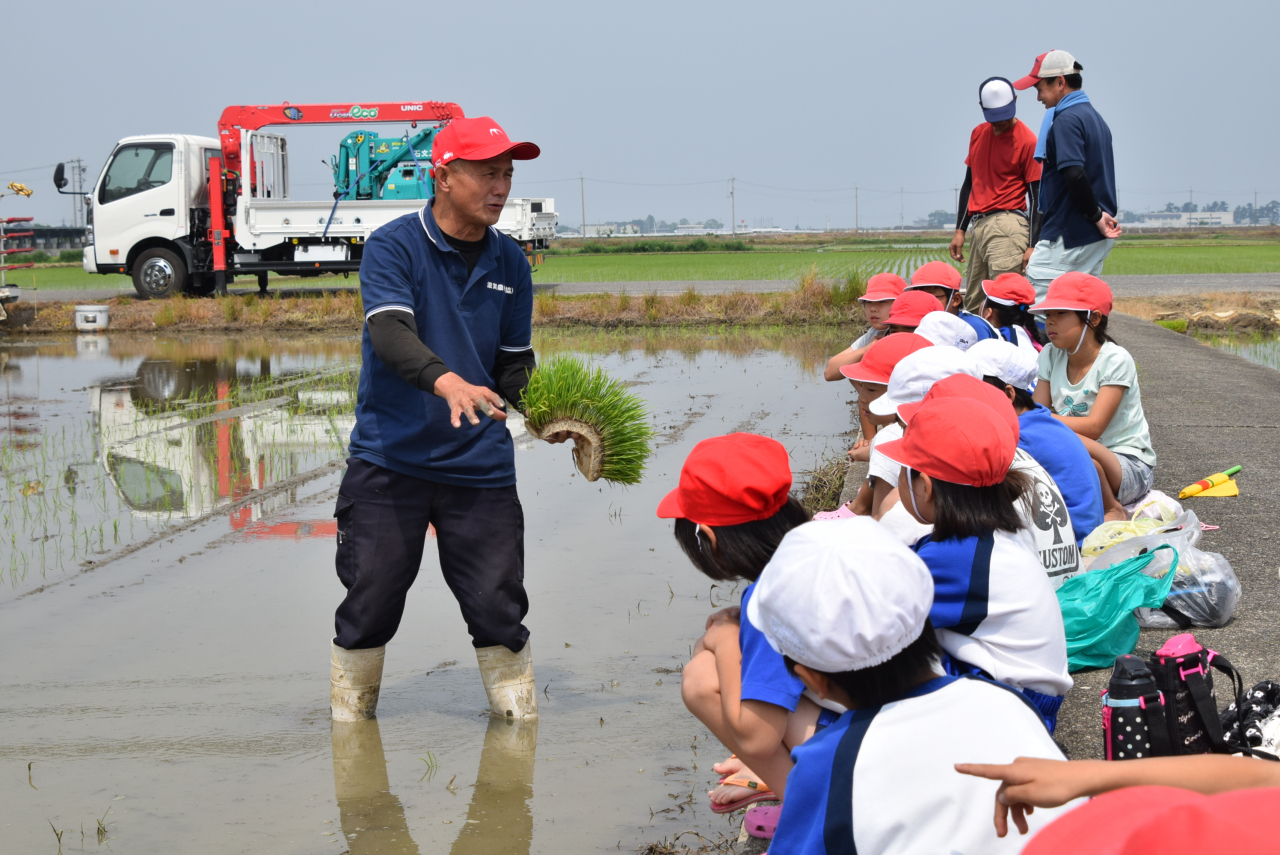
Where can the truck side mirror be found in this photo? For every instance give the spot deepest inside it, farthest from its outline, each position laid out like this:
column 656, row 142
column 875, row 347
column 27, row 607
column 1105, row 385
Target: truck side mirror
column 59, row 176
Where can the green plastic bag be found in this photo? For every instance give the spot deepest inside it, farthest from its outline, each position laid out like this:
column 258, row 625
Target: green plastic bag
column 1097, row 609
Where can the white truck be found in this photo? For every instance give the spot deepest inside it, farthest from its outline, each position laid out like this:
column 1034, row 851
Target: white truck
column 184, row 213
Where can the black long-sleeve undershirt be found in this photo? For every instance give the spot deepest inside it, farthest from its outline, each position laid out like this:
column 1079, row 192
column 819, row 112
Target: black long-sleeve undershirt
column 394, row 335
column 1082, row 192
column 962, row 215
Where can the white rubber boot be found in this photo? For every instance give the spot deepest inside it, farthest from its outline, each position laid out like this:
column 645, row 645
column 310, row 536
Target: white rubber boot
column 508, row 681
column 355, row 677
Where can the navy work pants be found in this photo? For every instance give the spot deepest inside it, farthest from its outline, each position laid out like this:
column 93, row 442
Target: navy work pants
column 382, row 528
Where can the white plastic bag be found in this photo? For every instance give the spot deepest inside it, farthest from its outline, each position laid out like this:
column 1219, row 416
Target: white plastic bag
column 1205, row 588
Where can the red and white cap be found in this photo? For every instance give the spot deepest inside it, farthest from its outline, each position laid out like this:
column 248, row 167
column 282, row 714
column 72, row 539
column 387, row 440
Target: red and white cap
column 909, row 309
column 729, row 480
column 957, row 440
column 882, row 287
column 842, row 595
column 1076, row 292
column 877, row 363
column 1009, row 289
column 971, row 389
column 1016, row 366
column 946, row 329
column 935, row 274
column 1055, row 63
column 914, row 376
column 477, row 139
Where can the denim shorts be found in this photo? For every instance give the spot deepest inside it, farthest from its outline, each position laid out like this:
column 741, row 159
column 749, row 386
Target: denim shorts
column 1136, row 479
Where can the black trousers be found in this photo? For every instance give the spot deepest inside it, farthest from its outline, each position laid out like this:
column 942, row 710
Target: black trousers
column 382, row 528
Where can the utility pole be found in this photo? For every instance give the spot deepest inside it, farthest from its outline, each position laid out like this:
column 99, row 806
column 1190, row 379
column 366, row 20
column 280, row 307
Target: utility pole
column 902, row 208
column 583, row 191
column 956, row 191
column 733, row 209
column 1254, row 218
column 857, row 223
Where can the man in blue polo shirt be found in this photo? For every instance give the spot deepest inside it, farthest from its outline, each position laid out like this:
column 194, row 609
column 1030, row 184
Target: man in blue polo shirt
column 448, row 305
column 1078, row 180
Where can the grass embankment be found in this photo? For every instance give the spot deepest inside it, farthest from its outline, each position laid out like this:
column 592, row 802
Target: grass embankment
column 811, row 301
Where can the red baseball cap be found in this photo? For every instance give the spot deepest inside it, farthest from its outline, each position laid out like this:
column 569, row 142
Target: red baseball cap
column 935, row 274
column 909, row 309
column 477, row 139
column 1009, row 289
column 1162, row 821
column 1052, row 63
column 883, row 286
column 877, row 363
column 1075, row 292
column 957, row 440
column 972, row 389
column 729, row 480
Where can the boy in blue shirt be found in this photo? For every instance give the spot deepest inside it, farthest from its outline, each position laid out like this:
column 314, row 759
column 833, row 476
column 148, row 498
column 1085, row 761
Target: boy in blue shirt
column 854, row 626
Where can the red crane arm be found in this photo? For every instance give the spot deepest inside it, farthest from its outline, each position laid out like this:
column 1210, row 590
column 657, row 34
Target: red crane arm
column 255, row 117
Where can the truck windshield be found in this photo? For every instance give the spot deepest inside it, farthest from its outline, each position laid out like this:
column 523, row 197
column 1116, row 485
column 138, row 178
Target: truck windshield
column 135, row 169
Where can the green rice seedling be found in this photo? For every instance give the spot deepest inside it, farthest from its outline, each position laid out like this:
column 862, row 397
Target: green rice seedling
column 165, row 317
column 1177, row 324
column 565, row 395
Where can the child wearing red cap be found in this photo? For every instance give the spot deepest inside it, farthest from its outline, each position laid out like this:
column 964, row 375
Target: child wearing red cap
column 993, row 607
column 945, row 283
column 909, row 309
column 1006, row 306
column 1091, row 384
column 882, row 290
column 731, row 510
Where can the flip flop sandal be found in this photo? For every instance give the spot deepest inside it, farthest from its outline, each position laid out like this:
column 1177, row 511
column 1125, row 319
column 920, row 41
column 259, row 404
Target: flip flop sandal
column 761, row 821
column 763, row 793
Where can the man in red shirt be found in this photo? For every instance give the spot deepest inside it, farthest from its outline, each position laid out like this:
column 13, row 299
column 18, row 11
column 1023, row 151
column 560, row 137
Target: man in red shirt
column 1002, row 173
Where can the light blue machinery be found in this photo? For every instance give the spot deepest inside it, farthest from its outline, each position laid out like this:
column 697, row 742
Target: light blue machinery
column 383, row 168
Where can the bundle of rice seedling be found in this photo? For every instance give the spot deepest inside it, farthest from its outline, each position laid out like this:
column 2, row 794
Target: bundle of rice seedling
column 565, row 395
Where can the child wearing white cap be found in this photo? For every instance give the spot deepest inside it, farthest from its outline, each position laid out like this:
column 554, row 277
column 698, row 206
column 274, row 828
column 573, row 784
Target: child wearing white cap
column 1013, row 370
column 854, row 626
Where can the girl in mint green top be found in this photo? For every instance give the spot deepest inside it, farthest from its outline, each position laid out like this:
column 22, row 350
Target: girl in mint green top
column 1091, row 384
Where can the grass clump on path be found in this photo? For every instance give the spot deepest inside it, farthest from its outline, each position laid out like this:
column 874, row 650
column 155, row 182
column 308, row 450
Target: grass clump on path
column 564, row 394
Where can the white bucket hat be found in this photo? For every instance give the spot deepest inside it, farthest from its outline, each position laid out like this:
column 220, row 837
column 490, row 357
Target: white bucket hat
column 947, row 329
column 1014, row 365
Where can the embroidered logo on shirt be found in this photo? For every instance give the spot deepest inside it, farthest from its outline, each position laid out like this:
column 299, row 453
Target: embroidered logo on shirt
column 503, row 288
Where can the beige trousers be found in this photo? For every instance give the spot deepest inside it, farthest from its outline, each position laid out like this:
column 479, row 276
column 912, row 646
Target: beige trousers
column 996, row 245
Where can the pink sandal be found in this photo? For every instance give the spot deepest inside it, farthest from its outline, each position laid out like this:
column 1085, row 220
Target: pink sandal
column 761, row 821
column 763, row 793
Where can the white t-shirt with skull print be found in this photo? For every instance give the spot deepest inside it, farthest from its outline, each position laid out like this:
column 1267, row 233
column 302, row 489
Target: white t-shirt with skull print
column 1047, row 522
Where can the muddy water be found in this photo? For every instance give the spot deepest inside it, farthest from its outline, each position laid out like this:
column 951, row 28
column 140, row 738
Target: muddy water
column 181, row 688
column 1262, row 349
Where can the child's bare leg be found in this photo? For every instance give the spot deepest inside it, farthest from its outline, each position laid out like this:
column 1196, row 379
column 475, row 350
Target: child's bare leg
column 1109, row 476
column 700, row 691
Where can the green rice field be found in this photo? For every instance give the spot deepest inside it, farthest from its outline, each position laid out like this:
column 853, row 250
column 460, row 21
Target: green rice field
column 1128, row 258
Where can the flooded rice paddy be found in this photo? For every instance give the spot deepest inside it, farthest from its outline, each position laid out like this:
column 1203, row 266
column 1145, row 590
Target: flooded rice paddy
column 1262, row 349
column 167, row 592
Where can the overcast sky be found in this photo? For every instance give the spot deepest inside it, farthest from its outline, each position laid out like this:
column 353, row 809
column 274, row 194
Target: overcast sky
column 799, row 101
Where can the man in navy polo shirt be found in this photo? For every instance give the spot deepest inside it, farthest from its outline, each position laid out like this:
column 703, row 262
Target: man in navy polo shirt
column 448, row 305
column 1078, row 180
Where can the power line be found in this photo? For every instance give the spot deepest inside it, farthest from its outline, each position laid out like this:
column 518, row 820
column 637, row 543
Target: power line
column 28, row 169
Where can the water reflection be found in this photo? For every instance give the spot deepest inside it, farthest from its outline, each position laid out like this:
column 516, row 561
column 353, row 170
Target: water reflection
column 372, row 817
column 499, row 821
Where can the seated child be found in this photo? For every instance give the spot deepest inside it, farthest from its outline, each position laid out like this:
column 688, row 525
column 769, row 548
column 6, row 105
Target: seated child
column 948, row 330
column 1046, row 522
column 1053, row 445
column 944, row 282
column 993, row 606
column 854, row 625
column 1091, row 384
column 731, row 509
column 911, row 380
column 882, row 290
column 870, row 377
column 909, row 309
column 1007, row 308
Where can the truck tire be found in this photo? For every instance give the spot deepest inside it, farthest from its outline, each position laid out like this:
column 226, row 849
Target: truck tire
column 158, row 273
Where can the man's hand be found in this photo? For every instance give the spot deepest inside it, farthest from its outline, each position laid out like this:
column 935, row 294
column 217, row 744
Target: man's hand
column 1028, row 783
column 462, row 398
column 1026, row 259
column 1108, row 226
column 957, row 246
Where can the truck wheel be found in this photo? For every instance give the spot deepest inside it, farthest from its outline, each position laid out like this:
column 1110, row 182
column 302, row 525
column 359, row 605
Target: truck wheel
column 158, row 273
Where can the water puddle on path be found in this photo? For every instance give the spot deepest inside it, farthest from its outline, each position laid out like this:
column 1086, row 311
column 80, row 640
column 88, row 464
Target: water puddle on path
column 181, row 688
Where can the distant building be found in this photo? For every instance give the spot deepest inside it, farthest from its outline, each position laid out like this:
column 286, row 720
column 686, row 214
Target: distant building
column 1183, row 220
